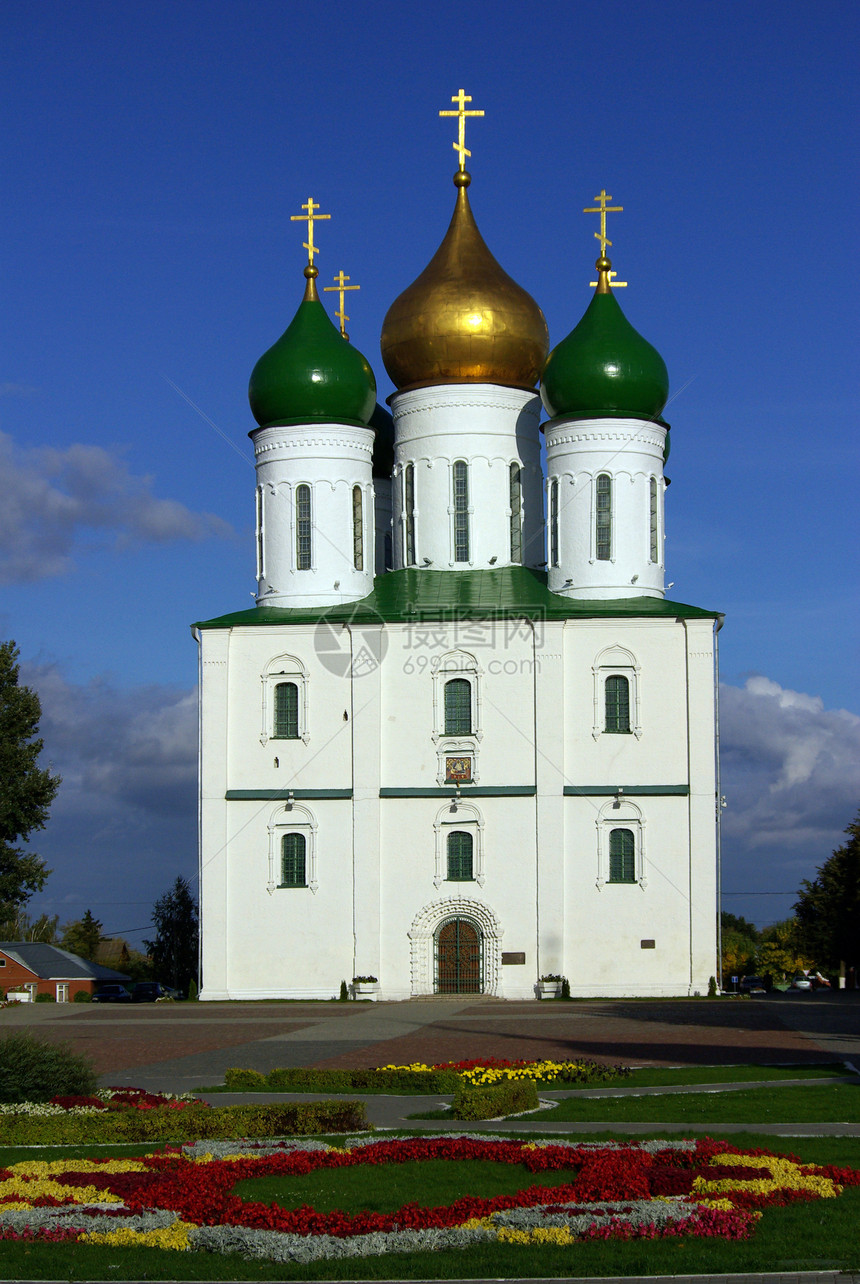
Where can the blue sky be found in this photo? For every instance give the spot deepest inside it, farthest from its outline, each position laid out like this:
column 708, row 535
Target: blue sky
column 153, row 156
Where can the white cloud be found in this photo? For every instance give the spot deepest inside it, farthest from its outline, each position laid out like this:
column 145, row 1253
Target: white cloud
column 56, row 500
column 790, row 772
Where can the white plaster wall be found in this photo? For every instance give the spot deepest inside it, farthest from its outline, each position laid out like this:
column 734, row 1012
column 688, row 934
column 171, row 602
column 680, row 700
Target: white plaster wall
column 382, row 522
column 331, row 459
column 630, row 451
column 544, row 890
column 489, row 427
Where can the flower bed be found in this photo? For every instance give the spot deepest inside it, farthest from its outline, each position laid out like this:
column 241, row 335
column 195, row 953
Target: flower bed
column 130, row 1114
column 183, row 1198
column 448, row 1076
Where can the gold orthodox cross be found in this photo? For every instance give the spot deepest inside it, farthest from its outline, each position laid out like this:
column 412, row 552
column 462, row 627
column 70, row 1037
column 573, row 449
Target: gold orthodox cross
column 603, row 209
column 611, row 282
column 461, row 113
column 341, row 287
column 311, row 206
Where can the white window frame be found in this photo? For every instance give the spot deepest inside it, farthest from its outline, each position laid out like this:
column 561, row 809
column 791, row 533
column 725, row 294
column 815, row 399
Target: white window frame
column 464, row 816
column 615, row 661
column 259, row 533
column 62, row 991
column 620, row 813
column 292, row 818
column 456, row 748
column 284, row 668
column 295, row 527
column 444, row 668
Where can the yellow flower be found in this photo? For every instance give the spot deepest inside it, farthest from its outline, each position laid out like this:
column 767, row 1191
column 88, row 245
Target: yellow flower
column 784, row 1175
column 174, row 1237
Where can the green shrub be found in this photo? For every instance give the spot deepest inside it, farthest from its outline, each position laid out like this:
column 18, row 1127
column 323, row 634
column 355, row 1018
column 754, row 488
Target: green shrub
column 309, row 1079
column 44, row 998
column 712, row 987
column 192, row 991
column 164, row 1124
column 565, row 988
column 32, row 1070
column 494, row 1100
column 344, row 992
column 82, row 996
column 244, row 1080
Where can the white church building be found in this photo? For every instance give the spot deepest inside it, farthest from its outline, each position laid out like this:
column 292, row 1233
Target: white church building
column 462, row 740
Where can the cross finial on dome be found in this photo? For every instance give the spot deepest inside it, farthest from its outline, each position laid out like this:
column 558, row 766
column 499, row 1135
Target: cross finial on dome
column 341, row 287
column 311, row 206
column 603, row 209
column 461, row 98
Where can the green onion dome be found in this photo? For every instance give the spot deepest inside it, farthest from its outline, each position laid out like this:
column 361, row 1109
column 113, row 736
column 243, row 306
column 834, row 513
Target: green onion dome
column 383, row 442
column 312, row 373
column 604, row 368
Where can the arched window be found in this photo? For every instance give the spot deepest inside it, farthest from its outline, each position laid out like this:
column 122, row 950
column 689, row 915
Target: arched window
column 654, row 540
column 603, row 518
column 622, row 856
column 409, row 515
column 458, row 707
column 617, row 701
column 285, row 725
column 459, row 857
column 293, row 861
column 303, row 528
column 553, row 522
column 516, row 502
column 357, row 530
column 461, row 511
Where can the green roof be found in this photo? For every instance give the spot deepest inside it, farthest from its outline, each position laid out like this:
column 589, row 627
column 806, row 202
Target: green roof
column 403, row 597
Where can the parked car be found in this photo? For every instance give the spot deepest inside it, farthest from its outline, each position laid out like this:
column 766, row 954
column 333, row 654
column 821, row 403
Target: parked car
column 150, row 991
column 752, row 985
column 801, row 982
column 112, row 993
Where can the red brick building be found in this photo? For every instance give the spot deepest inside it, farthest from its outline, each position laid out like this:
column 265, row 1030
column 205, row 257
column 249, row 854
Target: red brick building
column 35, row 968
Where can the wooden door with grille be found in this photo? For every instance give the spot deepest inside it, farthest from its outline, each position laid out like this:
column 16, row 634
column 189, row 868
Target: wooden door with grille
column 458, row 958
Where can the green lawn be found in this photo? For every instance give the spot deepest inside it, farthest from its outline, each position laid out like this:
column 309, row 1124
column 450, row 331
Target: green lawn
column 673, row 1076
column 816, row 1236
column 838, row 1103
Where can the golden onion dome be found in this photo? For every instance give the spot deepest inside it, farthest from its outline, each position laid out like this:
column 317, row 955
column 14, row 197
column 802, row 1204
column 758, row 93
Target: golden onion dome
column 464, row 320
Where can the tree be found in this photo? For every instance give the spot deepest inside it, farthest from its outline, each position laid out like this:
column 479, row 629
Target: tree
column 82, row 937
column 174, row 950
column 828, row 908
column 740, row 943
column 26, row 790
column 780, row 951
column 20, row 927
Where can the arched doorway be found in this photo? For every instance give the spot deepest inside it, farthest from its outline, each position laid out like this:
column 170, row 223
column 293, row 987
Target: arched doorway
column 459, row 958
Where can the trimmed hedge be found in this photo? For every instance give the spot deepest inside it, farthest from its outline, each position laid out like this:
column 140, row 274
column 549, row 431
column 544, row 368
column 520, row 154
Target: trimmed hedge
column 308, row 1079
column 495, row 1100
column 194, row 1123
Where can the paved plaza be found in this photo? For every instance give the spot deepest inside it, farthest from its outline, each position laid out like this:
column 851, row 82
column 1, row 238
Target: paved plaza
column 178, row 1046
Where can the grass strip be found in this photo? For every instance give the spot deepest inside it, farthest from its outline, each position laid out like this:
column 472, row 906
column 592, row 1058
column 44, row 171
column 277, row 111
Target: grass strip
column 839, row 1103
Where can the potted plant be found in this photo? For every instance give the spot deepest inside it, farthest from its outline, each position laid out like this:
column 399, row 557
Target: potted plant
column 549, row 985
column 365, row 987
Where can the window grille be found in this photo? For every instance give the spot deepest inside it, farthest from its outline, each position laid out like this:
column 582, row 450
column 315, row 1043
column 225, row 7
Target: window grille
column 617, row 700
column 260, row 567
column 622, row 856
column 458, row 707
column 604, row 518
column 409, row 514
column 303, row 528
column 459, row 857
column 553, row 522
column 516, row 498
column 357, row 529
column 293, row 861
column 654, row 541
column 286, row 723
column 461, row 511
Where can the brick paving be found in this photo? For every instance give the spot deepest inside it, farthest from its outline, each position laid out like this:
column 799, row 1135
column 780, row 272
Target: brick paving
column 194, row 1043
